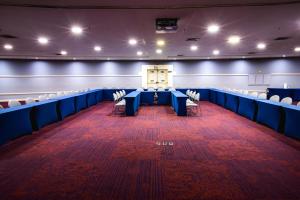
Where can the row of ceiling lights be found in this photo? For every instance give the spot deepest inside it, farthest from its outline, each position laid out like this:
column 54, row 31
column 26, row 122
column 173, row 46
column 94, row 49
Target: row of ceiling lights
column 212, row 29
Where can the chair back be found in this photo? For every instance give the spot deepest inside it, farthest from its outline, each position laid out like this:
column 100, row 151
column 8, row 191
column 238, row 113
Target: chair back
column 160, row 89
column 42, row 97
column 124, row 92
column 140, row 89
column 187, row 92
column 197, row 97
column 287, row 100
column 274, row 98
column 254, row 94
column 151, row 89
column 245, row 92
column 298, row 104
column 51, row 96
column 172, row 89
column 29, row 100
column 262, row 96
column 115, row 97
column 13, row 103
column 60, row 93
column 1, row 107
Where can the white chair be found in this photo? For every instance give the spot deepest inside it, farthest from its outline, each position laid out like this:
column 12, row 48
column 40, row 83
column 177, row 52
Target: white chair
column 51, row 96
column 119, row 95
column 274, row 98
column 298, row 104
column 193, row 95
column 187, row 92
column 140, row 89
column 13, row 103
column 245, row 92
column 60, row 93
column 42, row 97
column 172, row 89
column 254, row 94
column 115, row 97
column 190, row 107
column 160, row 89
column 29, row 100
column 151, row 89
column 262, row 96
column 124, row 92
column 287, row 100
column 1, row 107
column 197, row 97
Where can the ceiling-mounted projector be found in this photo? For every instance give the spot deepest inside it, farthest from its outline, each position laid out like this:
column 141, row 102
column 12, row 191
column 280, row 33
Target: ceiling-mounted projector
column 166, row 25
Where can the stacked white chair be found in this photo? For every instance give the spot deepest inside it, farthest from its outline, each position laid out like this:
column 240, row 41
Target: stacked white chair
column 172, row 89
column 60, row 93
column 13, row 103
column 140, row 89
column 151, row 89
column 51, row 96
column 42, row 97
column 124, row 92
column 160, row 89
column 192, row 102
column 262, row 96
column 245, row 92
column 1, row 107
column 298, row 104
column 29, row 100
column 287, row 100
column 119, row 103
column 274, row 98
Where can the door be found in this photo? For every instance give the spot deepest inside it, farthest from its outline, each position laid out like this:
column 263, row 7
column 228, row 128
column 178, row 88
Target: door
column 157, row 77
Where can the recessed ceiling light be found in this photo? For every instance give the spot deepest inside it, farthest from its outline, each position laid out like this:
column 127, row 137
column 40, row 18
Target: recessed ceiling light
column 63, row 52
column 132, row 41
column 97, row 48
column 43, row 40
column 76, row 30
column 160, row 43
column 283, row 56
column 108, row 59
column 158, row 51
column 216, row 52
column 297, row 49
column 194, row 48
column 234, row 39
column 261, row 45
column 213, row 28
column 8, row 46
column 139, row 53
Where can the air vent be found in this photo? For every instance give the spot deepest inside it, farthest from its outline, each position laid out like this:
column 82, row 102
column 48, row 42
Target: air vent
column 180, row 55
column 251, row 53
column 7, row 36
column 58, row 54
column 192, row 39
column 281, row 38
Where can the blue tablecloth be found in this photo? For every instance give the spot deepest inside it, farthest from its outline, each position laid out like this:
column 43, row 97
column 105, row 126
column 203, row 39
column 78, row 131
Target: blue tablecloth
column 44, row 113
column 91, row 98
column 247, row 106
column 132, row 102
column 147, row 97
column 99, row 95
column 232, row 102
column 213, row 96
column 270, row 114
column 292, row 121
column 66, row 106
column 178, row 102
column 220, row 98
column 15, row 122
column 80, row 101
column 163, row 98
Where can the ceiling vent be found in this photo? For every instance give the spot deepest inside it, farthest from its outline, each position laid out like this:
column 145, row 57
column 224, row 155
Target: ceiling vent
column 192, row 39
column 251, row 53
column 281, row 38
column 180, row 55
column 7, row 36
column 166, row 25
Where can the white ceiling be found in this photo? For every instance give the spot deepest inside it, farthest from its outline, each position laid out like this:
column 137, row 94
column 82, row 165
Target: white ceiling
column 111, row 23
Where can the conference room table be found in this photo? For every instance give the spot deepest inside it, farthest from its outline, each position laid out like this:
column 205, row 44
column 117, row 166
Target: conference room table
column 204, row 92
column 292, row 121
column 178, row 102
column 133, row 100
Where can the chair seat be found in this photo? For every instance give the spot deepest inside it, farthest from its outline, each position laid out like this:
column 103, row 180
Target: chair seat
column 191, row 104
column 189, row 101
column 121, row 103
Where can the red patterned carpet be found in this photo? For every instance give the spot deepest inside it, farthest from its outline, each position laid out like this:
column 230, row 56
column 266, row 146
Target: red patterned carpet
column 95, row 155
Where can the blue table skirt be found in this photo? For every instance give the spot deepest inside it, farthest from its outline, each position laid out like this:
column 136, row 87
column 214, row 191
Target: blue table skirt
column 270, row 114
column 80, row 102
column 14, row 122
column 220, row 98
column 292, row 121
column 133, row 100
column 66, row 107
column 99, row 95
column 247, row 107
column 108, row 93
column 44, row 113
column 163, row 98
column 91, row 99
column 178, row 102
column 294, row 93
column 147, row 97
column 213, row 96
column 232, row 102
column 204, row 92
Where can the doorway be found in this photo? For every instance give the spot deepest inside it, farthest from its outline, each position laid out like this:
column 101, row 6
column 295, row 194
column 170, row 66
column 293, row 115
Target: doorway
column 157, row 76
